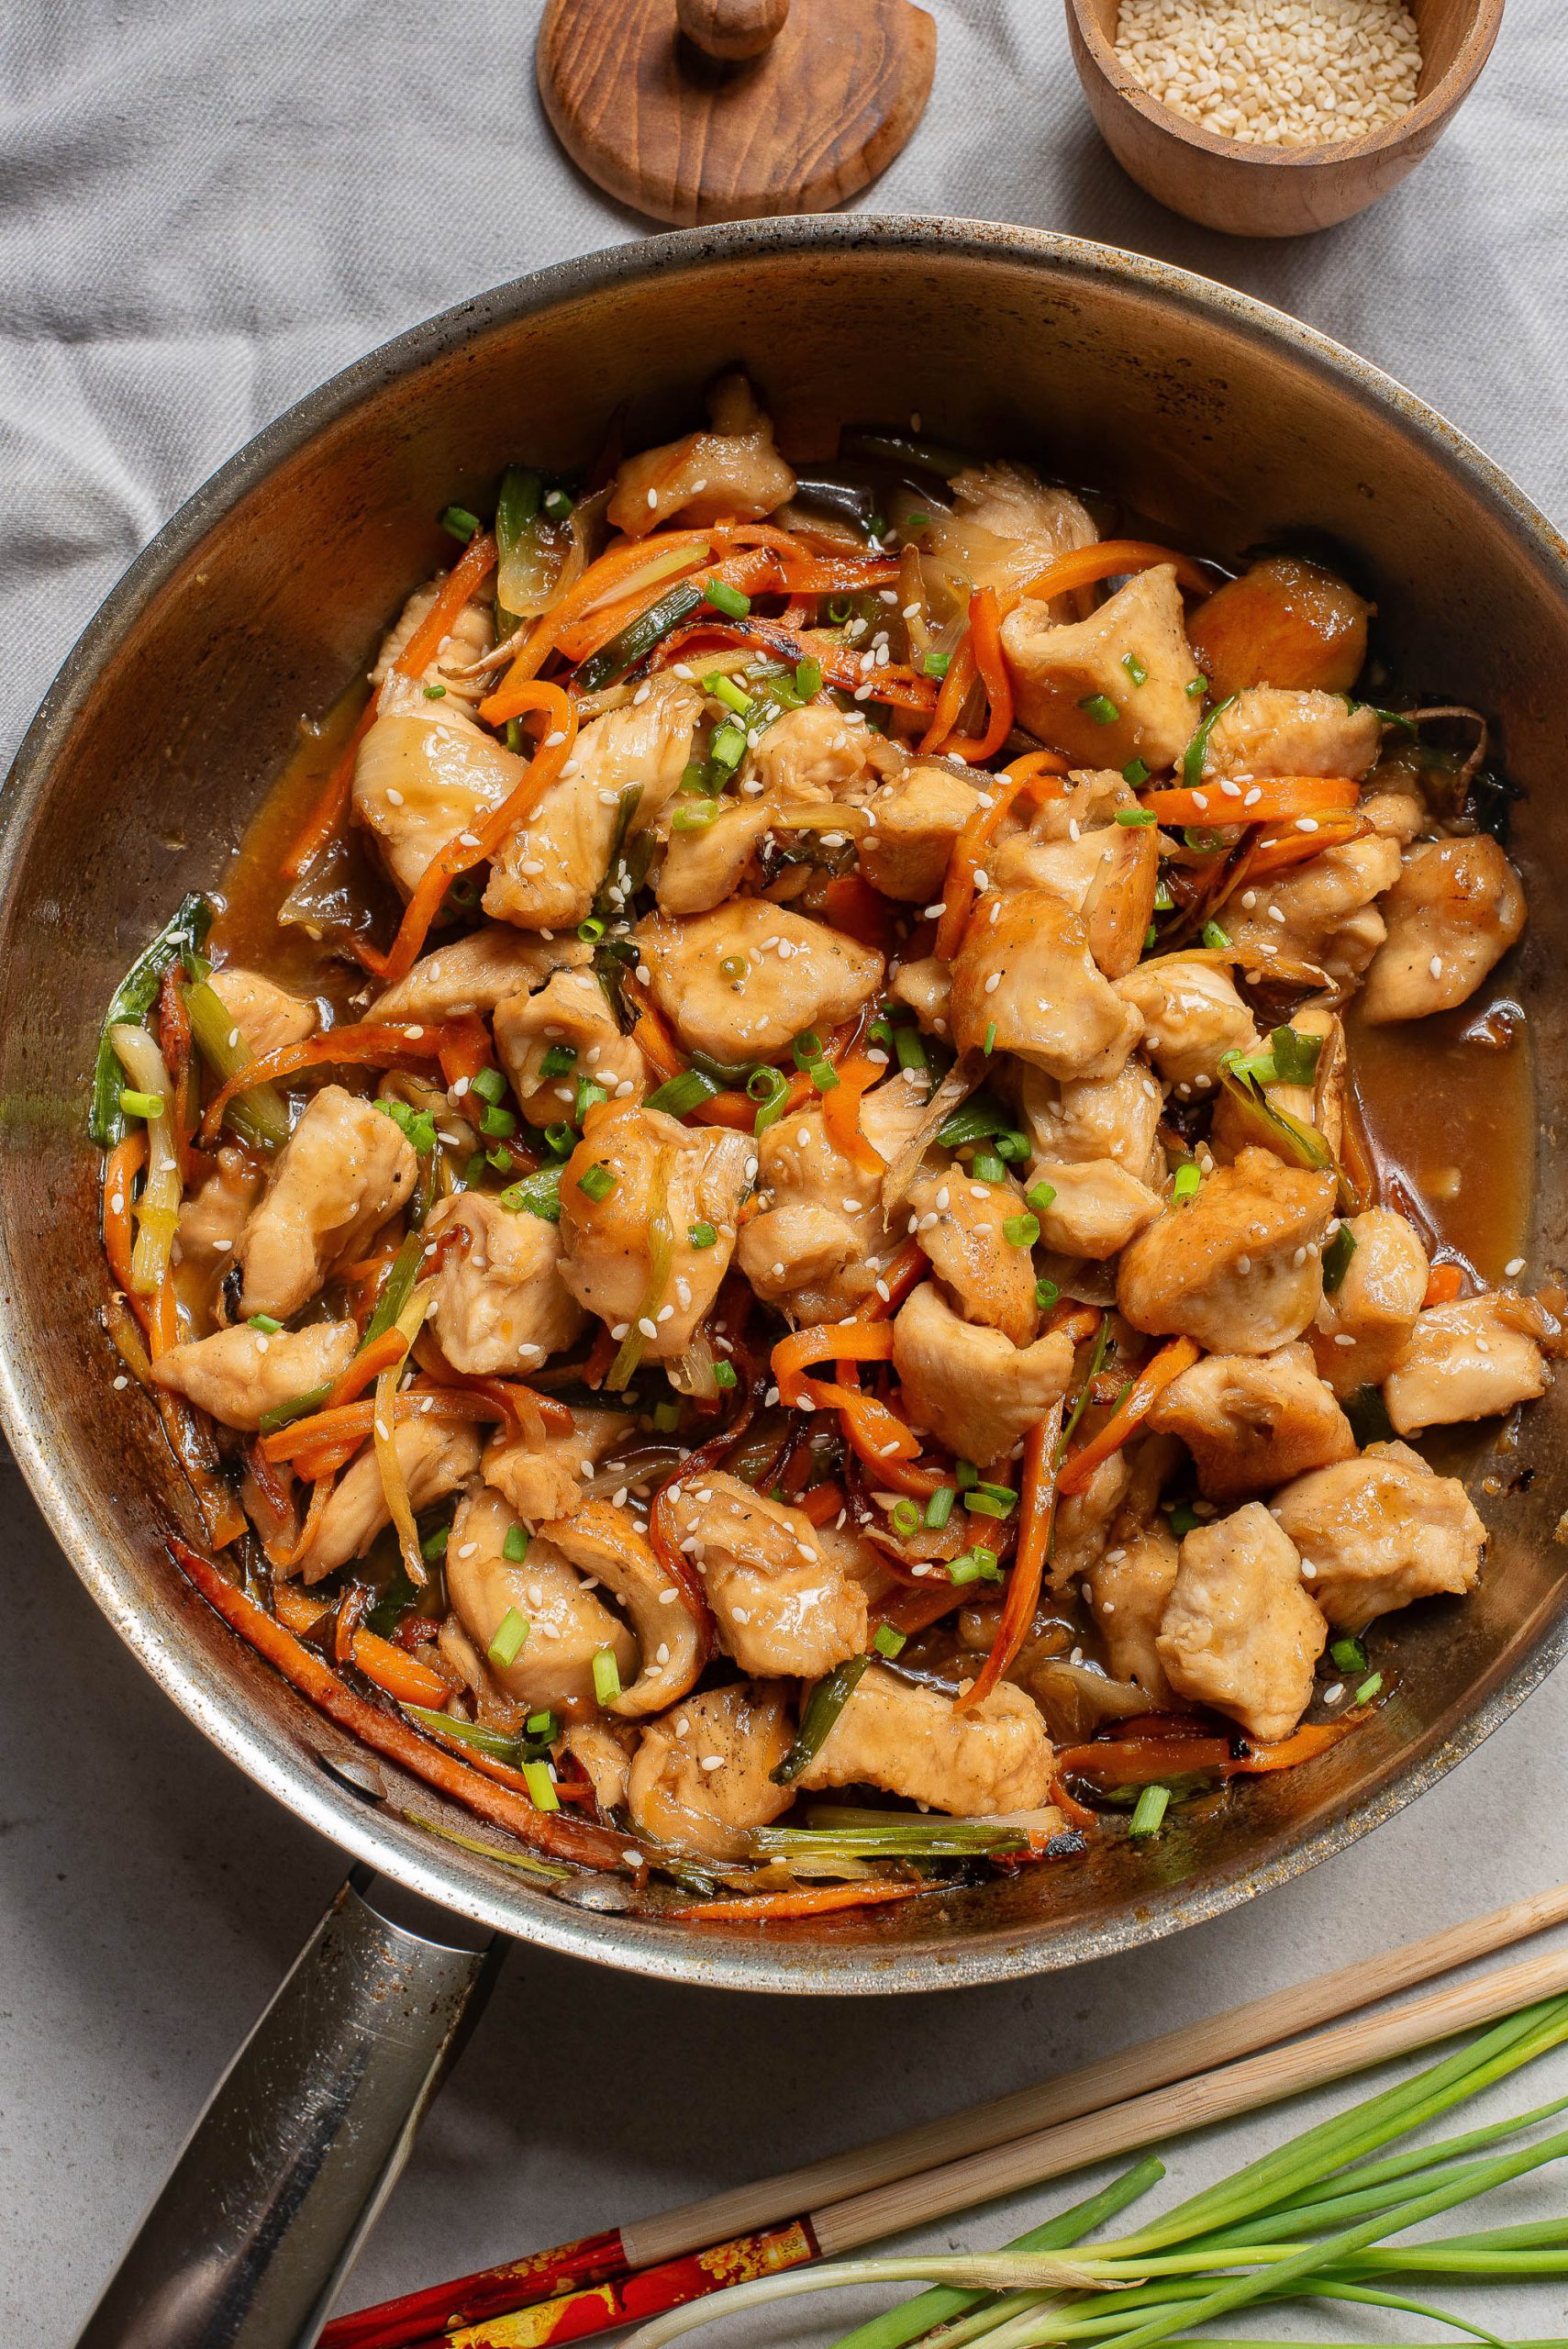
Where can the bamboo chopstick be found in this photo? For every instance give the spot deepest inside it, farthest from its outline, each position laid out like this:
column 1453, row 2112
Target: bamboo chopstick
column 866, row 2178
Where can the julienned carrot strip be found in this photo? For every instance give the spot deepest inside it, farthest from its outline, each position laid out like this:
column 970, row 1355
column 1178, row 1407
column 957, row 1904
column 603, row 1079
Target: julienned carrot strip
column 839, row 662
column 828, row 1341
column 121, row 1167
column 360, row 1045
column 915, row 1607
column 874, row 1432
column 1443, row 1284
column 821, row 1503
column 841, row 1114
column 614, row 563
column 732, row 1109
column 951, row 697
column 824, row 575
column 465, row 1048
column 1036, row 1504
column 1145, row 1762
column 1139, row 1398
column 365, row 1369
column 1107, row 560
column 475, row 844
column 401, row 1675
column 1277, row 851
column 457, row 591
column 1080, row 1321
column 985, row 641
column 1272, row 799
column 957, row 889
column 552, row 1831
column 758, row 1907
column 755, row 571
column 853, row 906
column 1303, row 1744
column 900, row 1280
column 329, row 810
column 320, row 1493
column 351, row 1422
column 651, row 1037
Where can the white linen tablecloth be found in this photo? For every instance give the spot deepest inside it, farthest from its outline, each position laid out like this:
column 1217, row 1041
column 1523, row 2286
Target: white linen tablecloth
column 205, row 209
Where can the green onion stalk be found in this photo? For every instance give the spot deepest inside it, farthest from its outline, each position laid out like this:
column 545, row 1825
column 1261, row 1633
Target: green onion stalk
column 1310, row 2219
column 259, row 1117
column 158, row 1210
column 184, row 932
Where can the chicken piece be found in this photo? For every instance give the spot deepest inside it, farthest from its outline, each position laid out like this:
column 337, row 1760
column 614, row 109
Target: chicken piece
column 699, row 1175
column 1239, row 1632
column 238, row 1374
column 1007, row 525
column 568, row 1626
column 1274, row 729
column 1322, row 911
column 1238, row 1266
column 545, row 1480
column 1452, row 914
column 1081, row 1531
column 700, row 1779
column 1024, row 979
column 476, row 972
column 473, row 635
column 962, row 1230
column 972, row 1389
column 500, row 1307
column 602, row 1543
column 1045, row 859
column 1096, row 1117
column 702, row 868
column 265, row 1017
column 343, row 1171
column 550, row 868
column 914, row 1742
column 925, row 986
column 1465, row 1361
column 1363, row 1326
column 742, row 983
column 782, row 1603
column 1128, row 1589
column 1282, row 622
column 1073, row 686
column 570, row 1013
column 1380, row 1532
column 822, row 1241
column 1250, row 1421
column 212, row 1219
column 1110, row 874
column 603, row 1749
column 1098, row 1206
column 435, row 1457
column 732, row 469
column 1192, row 1016
column 920, row 816
column 424, row 773
column 817, row 753
column 1393, row 810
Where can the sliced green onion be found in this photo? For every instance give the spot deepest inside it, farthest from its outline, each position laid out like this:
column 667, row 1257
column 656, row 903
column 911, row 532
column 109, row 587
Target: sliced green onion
column 435, row 692
column 980, row 1116
column 483, row 1741
column 695, row 819
column 1101, row 708
column 1135, row 773
column 1369, row 1690
column 807, row 1048
column 989, row 1046
column 727, row 599
column 1022, row 1230
column 586, row 1096
column 666, row 1417
column 678, row 1095
column 1188, row 1183
column 1047, row 1296
column 907, row 1519
column 770, row 1090
column 540, row 1785
column 823, row 1074
column 596, row 1182
column 510, row 1634
column 726, row 690
column 606, row 1677
column 1013, row 1147
column 986, row 1167
column 1337, row 1258
column 543, row 1727
column 725, row 1374
column 1196, row 688
column 265, row 1323
column 559, row 1061
column 1213, row 935
column 514, row 1548
column 1133, row 819
column 460, row 522
column 141, row 1104
column 1348, row 1654
column 822, row 1709
column 1185, row 1520
column 936, row 664
column 560, row 1139
column 591, row 931
column 1135, row 668
column 495, row 1125
column 968, row 1475
column 1149, row 1810
column 1368, row 1415
column 1041, row 1197
column 733, row 967
column 500, row 1158
column 727, row 746
column 701, row 1235
column 990, row 1501
column 260, row 1116
column 637, row 639
column 558, row 505
column 1196, row 750
column 433, row 1548
column 489, row 1084
column 134, row 997
column 938, row 1509
column 975, row 1565
column 808, row 678
column 887, row 1642
column 537, row 1194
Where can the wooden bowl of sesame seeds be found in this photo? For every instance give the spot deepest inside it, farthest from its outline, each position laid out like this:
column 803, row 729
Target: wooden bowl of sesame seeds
column 1245, row 134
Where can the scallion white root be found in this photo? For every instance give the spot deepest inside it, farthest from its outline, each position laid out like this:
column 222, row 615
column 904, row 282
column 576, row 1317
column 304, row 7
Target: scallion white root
column 995, row 2271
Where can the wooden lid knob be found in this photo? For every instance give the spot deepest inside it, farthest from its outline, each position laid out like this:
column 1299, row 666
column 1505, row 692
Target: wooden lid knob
column 732, row 29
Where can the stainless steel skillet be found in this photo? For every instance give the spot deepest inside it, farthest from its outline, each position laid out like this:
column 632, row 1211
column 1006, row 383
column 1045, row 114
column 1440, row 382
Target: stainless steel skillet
column 1219, row 419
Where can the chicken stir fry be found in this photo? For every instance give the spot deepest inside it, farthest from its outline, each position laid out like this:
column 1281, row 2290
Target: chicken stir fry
column 799, row 1271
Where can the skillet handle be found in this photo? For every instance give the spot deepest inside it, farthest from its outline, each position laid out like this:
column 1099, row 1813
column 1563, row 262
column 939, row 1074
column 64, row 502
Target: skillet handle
column 304, row 2135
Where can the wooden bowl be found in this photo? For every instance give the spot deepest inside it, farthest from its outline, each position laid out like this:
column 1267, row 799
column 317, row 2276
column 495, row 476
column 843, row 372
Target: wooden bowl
column 1275, row 191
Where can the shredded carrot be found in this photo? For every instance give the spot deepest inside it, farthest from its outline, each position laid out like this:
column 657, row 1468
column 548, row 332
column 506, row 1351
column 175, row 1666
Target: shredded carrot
column 329, row 810
column 1273, row 799
column 828, row 575
column 465, row 1049
column 361, row 1045
column 1139, row 1398
column 121, row 1167
column 457, row 591
column 876, row 1434
column 1079, row 1322
column 1144, row 1762
column 1076, row 1813
column 651, row 1035
column 1036, row 1504
column 915, row 1607
column 474, row 844
column 1277, row 851
column 953, row 693
column 596, row 586
column 1443, row 1285
column 839, row 662
column 900, row 1280
column 388, row 1734
column 985, row 642
column 759, row 1907
column 1032, row 772
column 320, row 1493
column 401, row 1675
column 861, row 912
column 828, row 1341
column 1303, row 1744
column 365, row 1369
column 1107, row 560
column 841, row 1114
column 822, row 1503
column 353, row 1421
column 731, row 1109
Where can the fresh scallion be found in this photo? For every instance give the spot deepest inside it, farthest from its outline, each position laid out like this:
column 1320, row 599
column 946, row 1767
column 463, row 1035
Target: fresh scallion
column 1133, row 819
column 679, row 1095
column 1188, row 1185
column 1135, row 668
column 540, row 1785
column 514, row 1548
column 1047, row 1296
column 1337, row 1258
column 990, row 1501
column 770, row 1090
column 1100, row 708
column 1369, row 1688
column 511, row 1632
column 701, row 1235
column 1348, row 1653
column 559, row 1061
column 141, row 1104
column 596, row 1182
column 637, row 639
column 936, row 664
column 537, row 1194
column 460, row 523
column 544, row 1727
column 1135, row 773
column 1041, row 1197
column 1021, row 1231
column 267, row 1326
column 987, row 1167
column 907, row 1519
column 727, row 599
column 1149, row 1810
column 725, row 1374
column 938, row 1509
column 433, row 1548
column 1198, row 749
column 823, row 1706
column 606, row 1677
column 1214, row 936
column 978, row 1565
column 808, row 678
column 134, row 997
column 887, row 1642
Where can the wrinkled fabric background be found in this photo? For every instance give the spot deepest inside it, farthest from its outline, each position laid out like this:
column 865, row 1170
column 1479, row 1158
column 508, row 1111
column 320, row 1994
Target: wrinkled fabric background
column 205, row 208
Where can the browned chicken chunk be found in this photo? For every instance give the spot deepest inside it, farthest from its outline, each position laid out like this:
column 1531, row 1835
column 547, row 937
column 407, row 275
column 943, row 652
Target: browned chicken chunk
column 424, row 773
column 1379, row 1533
column 1465, row 1361
column 602, row 1543
column 1363, row 1326
column 1239, row 1632
column 1276, row 730
column 1323, row 912
column 500, row 1306
column 732, row 469
column 1250, row 1421
column 1089, row 1117
column 687, row 1176
column 571, row 1014
column 343, row 1171
column 821, row 1240
column 914, row 1742
column 1097, row 1209
column 972, row 1389
column 546, row 1479
column 1024, row 978
column 741, row 984
column 265, row 1017
column 435, row 1458
column 1073, row 684
column 962, row 1229
column 1128, row 1589
column 238, row 1374
column 1191, row 1015
column 701, row 1777
column 1454, row 912
column 476, row 972
column 1238, row 1268
column 920, row 816
column 782, row 1603
column 568, row 1626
